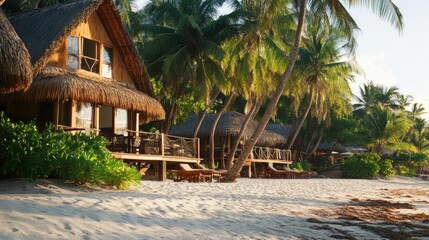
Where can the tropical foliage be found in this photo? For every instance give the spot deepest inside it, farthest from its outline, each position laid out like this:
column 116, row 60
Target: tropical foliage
column 28, row 152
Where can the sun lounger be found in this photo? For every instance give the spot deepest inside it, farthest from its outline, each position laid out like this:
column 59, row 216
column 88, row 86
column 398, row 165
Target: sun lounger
column 186, row 173
column 287, row 173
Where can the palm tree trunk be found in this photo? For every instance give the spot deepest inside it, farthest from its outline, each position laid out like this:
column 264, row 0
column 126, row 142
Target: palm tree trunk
column 203, row 113
column 300, row 123
column 174, row 107
column 251, row 115
column 236, row 169
column 212, row 131
column 314, row 145
column 171, row 115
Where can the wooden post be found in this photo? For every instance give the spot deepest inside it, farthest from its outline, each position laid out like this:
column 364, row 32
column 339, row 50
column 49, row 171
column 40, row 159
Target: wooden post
column 97, row 119
column 198, row 149
column 255, row 174
column 137, row 126
column 57, row 114
column 162, row 142
column 250, row 171
column 162, row 171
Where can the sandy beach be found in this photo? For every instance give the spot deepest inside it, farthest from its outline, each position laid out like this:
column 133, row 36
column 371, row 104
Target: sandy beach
column 248, row 209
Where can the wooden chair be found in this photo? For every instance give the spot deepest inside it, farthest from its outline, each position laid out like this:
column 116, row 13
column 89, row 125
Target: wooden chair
column 118, row 143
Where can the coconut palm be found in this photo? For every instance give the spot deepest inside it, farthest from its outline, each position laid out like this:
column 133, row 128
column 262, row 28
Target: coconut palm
column 420, row 135
column 322, row 73
column 254, row 58
column 182, row 46
column 373, row 95
column 335, row 10
column 387, row 127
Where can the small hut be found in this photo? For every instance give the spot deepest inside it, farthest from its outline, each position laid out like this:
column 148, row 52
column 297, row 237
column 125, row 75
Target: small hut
column 15, row 67
column 87, row 72
column 227, row 132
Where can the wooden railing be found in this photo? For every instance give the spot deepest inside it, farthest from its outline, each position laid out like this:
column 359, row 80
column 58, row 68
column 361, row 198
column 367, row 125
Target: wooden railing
column 140, row 142
column 77, row 129
column 267, row 153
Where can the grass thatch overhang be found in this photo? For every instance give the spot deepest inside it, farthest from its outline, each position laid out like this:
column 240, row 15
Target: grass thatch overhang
column 228, row 125
column 16, row 71
column 54, row 84
column 44, row 29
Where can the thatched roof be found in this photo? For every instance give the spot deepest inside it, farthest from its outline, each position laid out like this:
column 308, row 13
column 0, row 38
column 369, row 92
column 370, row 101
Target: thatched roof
column 57, row 84
column 229, row 124
column 16, row 72
column 44, row 29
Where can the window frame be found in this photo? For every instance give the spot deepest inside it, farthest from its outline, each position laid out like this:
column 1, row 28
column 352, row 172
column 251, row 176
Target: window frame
column 102, row 62
column 99, row 53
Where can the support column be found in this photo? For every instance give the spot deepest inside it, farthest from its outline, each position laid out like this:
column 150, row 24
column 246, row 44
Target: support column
column 97, row 119
column 137, row 125
column 250, row 171
column 162, row 171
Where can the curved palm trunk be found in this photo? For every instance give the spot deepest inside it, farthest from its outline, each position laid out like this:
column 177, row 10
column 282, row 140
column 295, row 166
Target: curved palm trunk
column 174, row 107
column 212, row 131
column 171, row 115
column 203, row 113
column 300, row 123
column 251, row 115
column 235, row 170
column 312, row 146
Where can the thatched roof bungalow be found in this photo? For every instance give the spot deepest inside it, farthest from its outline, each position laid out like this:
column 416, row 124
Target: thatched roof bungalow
column 227, row 132
column 87, row 71
column 15, row 68
column 229, row 126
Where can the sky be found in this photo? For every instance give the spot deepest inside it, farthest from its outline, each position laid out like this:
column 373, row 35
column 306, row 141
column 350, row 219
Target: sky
column 388, row 57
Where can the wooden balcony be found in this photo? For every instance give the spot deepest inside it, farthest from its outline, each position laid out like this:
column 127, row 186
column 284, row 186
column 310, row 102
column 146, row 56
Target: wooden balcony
column 271, row 155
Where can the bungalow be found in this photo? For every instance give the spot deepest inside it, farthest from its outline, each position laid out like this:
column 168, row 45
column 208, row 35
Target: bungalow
column 87, row 72
column 269, row 148
column 88, row 76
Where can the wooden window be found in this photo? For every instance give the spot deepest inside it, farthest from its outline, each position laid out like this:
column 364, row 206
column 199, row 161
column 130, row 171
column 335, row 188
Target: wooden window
column 106, row 69
column 73, row 52
column 89, row 55
column 84, row 115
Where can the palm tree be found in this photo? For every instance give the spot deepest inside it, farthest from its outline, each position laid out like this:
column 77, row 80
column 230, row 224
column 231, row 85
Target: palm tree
column 254, row 57
column 182, row 46
column 334, row 8
column 373, row 95
column 322, row 73
column 387, row 127
column 420, row 135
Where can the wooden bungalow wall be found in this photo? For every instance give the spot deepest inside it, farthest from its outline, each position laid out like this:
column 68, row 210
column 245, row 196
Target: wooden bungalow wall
column 93, row 29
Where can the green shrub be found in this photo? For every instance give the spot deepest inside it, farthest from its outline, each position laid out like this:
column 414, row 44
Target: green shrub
column 406, row 171
column 386, row 168
column 26, row 152
column 408, row 164
column 302, row 165
column 360, row 166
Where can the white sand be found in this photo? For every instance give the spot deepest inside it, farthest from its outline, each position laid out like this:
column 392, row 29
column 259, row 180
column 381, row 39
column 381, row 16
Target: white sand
column 248, row 209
